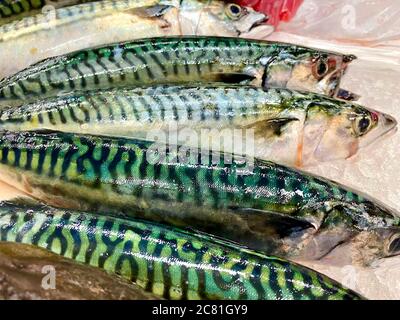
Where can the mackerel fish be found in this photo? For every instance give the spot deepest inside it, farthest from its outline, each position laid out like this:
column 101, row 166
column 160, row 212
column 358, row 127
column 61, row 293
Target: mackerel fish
column 285, row 126
column 169, row 262
column 64, row 30
column 178, row 60
column 260, row 204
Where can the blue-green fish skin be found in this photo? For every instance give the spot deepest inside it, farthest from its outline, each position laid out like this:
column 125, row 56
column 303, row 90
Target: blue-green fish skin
column 289, row 127
column 57, row 31
column 268, row 207
column 176, row 59
column 169, row 262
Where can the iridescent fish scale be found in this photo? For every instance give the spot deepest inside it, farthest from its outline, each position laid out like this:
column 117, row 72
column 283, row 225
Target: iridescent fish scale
column 149, row 61
column 169, row 262
column 97, row 173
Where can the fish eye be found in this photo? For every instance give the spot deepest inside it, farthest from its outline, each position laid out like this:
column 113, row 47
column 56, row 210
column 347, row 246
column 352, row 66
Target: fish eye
column 320, row 68
column 362, row 125
column 233, row 11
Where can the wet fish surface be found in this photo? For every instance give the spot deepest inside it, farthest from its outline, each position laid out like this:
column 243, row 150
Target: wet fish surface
column 16, row 9
column 262, row 205
column 286, row 126
column 166, row 261
column 61, row 31
column 177, row 60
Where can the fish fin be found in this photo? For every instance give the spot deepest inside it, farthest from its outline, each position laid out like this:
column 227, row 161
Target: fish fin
column 208, row 236
column 151, row 11
column 273, row 223
column 239, row 78
column 223, row 241
column 267, row 78
column 42, row 131
column 270, row 127
column 25, row 201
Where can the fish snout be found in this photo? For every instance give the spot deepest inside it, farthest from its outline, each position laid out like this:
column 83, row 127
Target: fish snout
column 388, row 122
column 251, row 21
column 349, row 58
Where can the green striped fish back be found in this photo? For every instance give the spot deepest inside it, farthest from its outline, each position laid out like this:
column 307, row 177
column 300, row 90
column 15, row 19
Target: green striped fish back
column 132, row 175
column 171, row 263
column 141, row 107
column 148, row 61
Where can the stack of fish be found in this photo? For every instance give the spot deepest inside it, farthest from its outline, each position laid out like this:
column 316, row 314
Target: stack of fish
column 105, row 139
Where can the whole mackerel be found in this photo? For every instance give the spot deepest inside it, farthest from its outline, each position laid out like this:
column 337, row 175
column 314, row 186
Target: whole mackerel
column 59, row 31
column 179, row 60
column 257, row 203
column 171, row 263
column 286, row 126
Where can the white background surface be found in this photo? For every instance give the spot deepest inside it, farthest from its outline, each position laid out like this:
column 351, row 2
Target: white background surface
column 371, row 30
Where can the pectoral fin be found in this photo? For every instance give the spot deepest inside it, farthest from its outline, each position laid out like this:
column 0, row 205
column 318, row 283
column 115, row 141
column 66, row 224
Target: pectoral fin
column 24, row 201
column 212, row 237
column 231, row 78
column 150, row 11
column 273, row 223
column 270, row 127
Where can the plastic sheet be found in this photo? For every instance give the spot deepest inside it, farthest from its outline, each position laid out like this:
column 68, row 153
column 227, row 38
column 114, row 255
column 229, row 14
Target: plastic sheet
column 370, row 30
column 363, row 22
column 277, row 10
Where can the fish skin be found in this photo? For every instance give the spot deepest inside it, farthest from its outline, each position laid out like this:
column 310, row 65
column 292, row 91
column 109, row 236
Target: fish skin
column 161, row 60
column 42, row 22
column 279, row 118
column 187, row 264
column 16, row 9
column 65, row 30
column 268, row 207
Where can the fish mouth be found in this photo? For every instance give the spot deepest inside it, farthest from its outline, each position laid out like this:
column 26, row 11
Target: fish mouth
column 255, row 21
column 389, row 122
column 391, row 126
column 348, row 58
column 259, row 22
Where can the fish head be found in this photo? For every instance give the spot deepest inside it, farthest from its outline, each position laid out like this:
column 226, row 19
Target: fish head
column 217, row 18
column 388, row 240
column 366, row 247
column 358, row 232
column 306, row 69
column 370, row 125
column 379, row 230
column 243, row 19
column 337, row 130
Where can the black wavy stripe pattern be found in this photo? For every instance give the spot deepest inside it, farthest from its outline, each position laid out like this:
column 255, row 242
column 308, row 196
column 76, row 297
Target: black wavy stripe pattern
column 56, row 227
